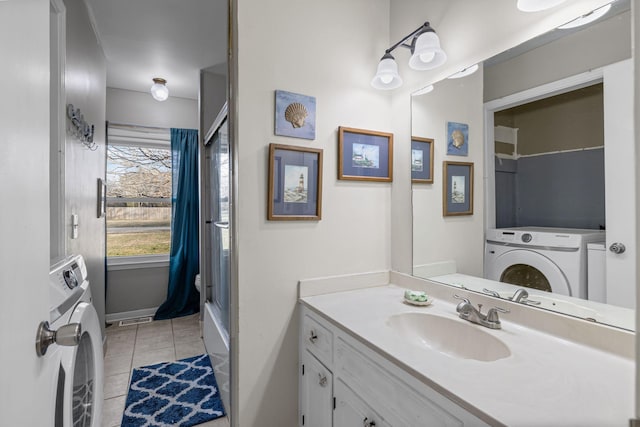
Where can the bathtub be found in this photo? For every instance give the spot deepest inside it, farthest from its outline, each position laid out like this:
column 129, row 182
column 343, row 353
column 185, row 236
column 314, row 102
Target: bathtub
column 216, row 341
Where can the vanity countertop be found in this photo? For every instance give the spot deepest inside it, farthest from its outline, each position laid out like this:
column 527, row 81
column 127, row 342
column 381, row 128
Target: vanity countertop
column 546, row 381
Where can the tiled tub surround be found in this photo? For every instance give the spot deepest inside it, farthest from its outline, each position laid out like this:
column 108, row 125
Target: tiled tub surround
column 562, row 371
column 129, row 347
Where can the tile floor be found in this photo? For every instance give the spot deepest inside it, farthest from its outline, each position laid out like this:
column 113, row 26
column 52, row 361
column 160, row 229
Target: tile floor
column 131, row 346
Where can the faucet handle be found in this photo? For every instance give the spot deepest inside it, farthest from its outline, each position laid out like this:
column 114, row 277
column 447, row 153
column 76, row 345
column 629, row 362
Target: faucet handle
column 456, row 296
column 492, row 314
column 462, row 306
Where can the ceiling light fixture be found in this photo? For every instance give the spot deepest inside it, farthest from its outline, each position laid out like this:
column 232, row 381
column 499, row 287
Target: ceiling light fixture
column 159, row 90
column 426, row 54
column 537, row 5
column 587, row 17
column 464, row 73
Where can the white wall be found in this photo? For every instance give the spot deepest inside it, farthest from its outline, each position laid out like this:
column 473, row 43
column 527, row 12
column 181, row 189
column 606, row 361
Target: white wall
column 213, row 95
column 85, row 85
column 139, row 108
column 436, row 237
column 328, row 50
column 598, row 45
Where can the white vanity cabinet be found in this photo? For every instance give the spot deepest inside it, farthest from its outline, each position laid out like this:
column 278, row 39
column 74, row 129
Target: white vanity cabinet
column 316, row 392
column 351, row 410
column 345, row 383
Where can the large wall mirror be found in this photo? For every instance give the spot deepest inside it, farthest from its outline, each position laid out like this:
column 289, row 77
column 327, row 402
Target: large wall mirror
column 549, row 131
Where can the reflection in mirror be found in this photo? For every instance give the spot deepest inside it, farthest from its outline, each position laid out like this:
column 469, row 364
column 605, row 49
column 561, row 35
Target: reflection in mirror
column 558, row 175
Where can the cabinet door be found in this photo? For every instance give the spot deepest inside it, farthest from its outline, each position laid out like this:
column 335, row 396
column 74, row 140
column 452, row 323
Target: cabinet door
column 351, row 411
column 316, row 392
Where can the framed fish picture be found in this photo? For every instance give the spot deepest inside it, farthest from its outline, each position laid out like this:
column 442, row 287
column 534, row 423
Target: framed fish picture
column 295, row 115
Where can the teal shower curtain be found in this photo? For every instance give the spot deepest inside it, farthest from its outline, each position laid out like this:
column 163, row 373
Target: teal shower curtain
column 182, row 296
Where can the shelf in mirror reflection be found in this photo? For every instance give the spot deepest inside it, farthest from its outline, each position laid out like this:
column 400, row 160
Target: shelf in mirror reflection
column 589, row 310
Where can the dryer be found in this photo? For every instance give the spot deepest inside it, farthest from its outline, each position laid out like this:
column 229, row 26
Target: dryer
column 78, row 370
column 548, row 259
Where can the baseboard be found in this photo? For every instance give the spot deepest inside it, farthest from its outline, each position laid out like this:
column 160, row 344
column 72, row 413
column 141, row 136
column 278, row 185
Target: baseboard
column 116, row 317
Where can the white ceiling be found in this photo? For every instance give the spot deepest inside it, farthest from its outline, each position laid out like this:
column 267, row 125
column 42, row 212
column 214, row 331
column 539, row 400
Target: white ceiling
column 172, row 39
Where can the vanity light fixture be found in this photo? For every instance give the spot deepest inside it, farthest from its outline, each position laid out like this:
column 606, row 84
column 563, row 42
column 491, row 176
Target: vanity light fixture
column 537, row 5
column 426, row 54
column 159, row 90
column 422, row 91
column 464, row 73
column 587, row 18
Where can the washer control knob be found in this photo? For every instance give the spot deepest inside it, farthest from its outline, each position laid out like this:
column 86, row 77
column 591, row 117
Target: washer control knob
column 70, row 278
column 526, row 237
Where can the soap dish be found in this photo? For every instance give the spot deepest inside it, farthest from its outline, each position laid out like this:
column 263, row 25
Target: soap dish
column 418, row 303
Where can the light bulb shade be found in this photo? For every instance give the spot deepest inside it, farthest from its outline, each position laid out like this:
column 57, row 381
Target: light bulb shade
column 426, row 52
column 159, row 90
column 587, row 18
column 387, row 76
column 537, row 5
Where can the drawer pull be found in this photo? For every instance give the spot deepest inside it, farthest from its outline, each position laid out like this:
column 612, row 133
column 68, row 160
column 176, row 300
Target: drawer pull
column 313, row 337
column 322, row 380
column 367, row 423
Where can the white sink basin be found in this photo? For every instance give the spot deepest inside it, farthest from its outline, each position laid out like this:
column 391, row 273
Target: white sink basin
column 454, row 337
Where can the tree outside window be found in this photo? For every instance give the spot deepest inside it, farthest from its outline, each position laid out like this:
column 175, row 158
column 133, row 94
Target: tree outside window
column 138, row 200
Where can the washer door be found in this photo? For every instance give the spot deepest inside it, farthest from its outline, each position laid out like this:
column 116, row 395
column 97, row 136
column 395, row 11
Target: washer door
column 84, row 365
column 529, row 269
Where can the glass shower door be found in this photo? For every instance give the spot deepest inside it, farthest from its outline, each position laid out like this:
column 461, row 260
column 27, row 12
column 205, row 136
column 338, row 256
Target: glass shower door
column 220, row 238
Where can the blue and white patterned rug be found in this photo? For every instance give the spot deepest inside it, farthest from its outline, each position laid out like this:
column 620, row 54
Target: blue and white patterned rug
column 182, row 393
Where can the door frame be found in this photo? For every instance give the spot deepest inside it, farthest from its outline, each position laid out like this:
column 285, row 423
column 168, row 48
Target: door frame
column 58, row 130
column 530, row 95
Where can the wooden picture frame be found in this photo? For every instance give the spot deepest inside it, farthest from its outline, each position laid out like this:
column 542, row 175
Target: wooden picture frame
column 421, row 160
column 295, row 183
column 365, row 155
column 457, row 188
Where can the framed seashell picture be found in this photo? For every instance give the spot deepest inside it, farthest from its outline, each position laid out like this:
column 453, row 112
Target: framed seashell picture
column 457, row 139
column 295, row 115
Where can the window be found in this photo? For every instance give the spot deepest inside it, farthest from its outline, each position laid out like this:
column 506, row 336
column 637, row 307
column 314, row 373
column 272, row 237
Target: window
column 138, row 199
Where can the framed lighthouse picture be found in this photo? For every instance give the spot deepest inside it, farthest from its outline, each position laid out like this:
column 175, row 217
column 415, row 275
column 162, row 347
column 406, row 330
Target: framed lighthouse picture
column 365, row 155
column 295, row 183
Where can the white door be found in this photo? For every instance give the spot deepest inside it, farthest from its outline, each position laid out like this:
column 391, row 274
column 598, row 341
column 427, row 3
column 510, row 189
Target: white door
column 620, row 185
column 25, row 381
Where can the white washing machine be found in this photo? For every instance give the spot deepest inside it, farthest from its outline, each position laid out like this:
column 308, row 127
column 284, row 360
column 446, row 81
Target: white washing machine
column 548, row 259
column 78, row 369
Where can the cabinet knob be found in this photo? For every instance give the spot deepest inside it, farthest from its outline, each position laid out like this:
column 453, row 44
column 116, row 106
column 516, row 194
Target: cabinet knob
column 322, row 380
column 312, row 336
column 368, row 423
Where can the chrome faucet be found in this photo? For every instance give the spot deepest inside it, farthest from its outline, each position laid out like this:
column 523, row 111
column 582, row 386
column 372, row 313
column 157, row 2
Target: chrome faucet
column 521, row 295
column 491, row 292
column 468, row 312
